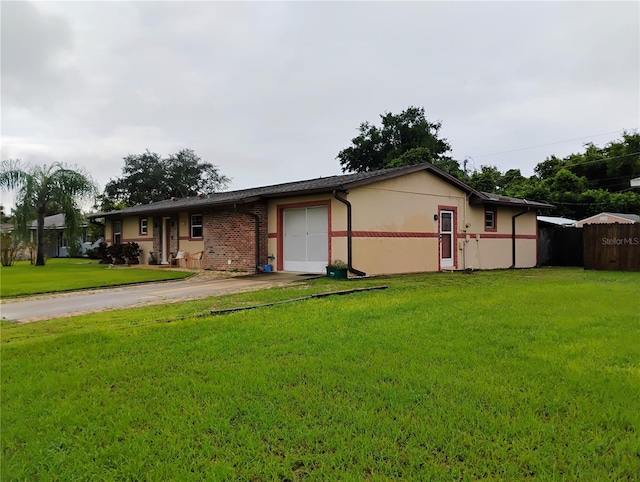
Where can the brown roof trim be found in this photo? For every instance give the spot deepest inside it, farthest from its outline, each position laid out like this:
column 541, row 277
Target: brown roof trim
column 500, row 200
column 310, row 187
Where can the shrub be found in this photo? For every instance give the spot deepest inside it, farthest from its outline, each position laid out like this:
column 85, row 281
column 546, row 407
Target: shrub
column 116, row 253
column 8, row 249
column 131, row 251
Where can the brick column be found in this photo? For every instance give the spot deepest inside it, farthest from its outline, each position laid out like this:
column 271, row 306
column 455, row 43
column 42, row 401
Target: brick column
column 230, row 237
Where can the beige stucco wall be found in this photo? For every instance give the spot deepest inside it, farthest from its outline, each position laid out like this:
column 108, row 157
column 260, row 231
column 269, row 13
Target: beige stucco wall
column 491, row 250
column 130, row 229
column 108, row 231
column 185, row 243
column 395, row 230
column 404, row 204
column 131, row 233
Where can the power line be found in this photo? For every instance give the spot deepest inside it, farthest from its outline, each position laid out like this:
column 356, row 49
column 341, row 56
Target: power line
column 550, row 143
column 599, row 160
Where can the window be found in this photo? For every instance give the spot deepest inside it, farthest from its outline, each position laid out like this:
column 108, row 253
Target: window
column 117, row 232
column 489, row 220
column 144, row 226
column 196, row 225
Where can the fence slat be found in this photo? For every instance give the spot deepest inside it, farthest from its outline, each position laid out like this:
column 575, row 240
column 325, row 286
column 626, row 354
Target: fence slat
column 614, row 247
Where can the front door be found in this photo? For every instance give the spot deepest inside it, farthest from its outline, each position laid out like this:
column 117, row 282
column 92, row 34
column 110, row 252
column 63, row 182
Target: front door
column 446, row 239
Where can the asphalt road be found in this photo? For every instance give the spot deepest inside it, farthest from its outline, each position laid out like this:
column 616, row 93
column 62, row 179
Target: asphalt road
column 37, row 308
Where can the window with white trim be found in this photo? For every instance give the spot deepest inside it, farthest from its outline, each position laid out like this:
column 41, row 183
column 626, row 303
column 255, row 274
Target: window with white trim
column 196, row 225
column 144, row 226
column 489, row 219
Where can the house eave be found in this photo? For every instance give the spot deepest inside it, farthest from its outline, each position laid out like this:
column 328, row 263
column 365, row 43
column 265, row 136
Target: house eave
column 329, row 185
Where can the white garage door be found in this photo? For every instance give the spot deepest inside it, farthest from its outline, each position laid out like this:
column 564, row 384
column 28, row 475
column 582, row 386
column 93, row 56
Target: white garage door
column 306, row 240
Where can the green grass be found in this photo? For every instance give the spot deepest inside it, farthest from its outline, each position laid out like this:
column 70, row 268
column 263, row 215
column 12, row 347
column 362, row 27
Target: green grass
column 64, row 274
column 502, row 375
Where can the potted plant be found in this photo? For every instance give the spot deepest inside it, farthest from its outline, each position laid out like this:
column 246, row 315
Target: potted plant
column 337, row 269
column 131, row 251
column 152, row 258
column 116, row 254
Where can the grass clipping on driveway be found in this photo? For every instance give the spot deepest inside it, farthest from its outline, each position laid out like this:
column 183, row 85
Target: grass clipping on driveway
column 65, row 274
column 500, row 375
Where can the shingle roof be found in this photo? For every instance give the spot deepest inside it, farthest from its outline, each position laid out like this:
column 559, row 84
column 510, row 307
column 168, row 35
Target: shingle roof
column 491, row 198
column 630, row 217
column 558, row 220
column 51, row 222
column 319, row 185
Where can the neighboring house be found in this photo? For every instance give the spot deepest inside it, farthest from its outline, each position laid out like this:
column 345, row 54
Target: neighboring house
column 635, row 182
column 408, row 219
column 55, row 239
column 609, row 218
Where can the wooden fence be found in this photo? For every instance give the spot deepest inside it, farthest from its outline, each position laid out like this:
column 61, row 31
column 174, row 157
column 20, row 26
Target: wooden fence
column 613, row 247
column 560, row 246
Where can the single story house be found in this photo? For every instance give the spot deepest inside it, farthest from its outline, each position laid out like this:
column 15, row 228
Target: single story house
column 56, row 244
column 609, row 218
column 399, row 220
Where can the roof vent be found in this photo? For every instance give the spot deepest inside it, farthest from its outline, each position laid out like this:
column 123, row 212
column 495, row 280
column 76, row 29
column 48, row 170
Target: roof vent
column 201, row 195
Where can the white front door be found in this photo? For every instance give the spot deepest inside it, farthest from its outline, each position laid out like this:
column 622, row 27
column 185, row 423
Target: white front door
column 306, row 239
column 446, row 239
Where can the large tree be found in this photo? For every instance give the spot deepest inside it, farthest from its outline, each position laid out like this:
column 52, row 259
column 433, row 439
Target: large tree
column 41, row 187
column 381, row 147
column 149, row 178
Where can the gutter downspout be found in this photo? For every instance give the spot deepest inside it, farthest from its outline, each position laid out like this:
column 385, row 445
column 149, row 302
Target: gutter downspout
column 513, row 237
column 349, row 235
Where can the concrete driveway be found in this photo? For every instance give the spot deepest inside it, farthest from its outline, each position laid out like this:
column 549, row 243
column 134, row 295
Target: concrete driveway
column 203, row 285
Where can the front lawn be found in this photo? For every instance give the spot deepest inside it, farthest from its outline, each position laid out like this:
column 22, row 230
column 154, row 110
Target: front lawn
column 64, row 274
column 503, row 375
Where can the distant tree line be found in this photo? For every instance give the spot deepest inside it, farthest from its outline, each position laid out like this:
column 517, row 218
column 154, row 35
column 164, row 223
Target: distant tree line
column 579, row 185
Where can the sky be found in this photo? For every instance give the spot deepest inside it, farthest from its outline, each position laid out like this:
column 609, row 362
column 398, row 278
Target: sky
column 270, row 92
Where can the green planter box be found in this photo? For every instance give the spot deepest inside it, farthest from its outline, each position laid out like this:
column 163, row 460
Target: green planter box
column 337, row 273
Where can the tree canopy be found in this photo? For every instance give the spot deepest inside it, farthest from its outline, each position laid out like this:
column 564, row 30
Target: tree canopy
column 41, row 188
column 404, row 139
column 580, row 185
column 148, row 177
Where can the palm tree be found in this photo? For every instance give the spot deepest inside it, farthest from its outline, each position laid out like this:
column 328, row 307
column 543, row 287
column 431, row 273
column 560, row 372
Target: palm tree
column 40, row 188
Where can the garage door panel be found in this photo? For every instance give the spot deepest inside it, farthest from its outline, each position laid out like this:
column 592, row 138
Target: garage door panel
column 295, row 222
column 317, row 220
column 306, row 239
column 295, row 247
column 317, row 249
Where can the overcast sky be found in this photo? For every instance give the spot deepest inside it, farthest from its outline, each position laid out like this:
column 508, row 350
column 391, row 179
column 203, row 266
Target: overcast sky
column 270, row 92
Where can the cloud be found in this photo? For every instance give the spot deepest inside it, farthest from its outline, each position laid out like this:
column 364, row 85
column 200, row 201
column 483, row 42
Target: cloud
column 272, row 91
column 37, row 57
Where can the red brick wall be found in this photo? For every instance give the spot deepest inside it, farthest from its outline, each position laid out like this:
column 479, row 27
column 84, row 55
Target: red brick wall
column 230, row 234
